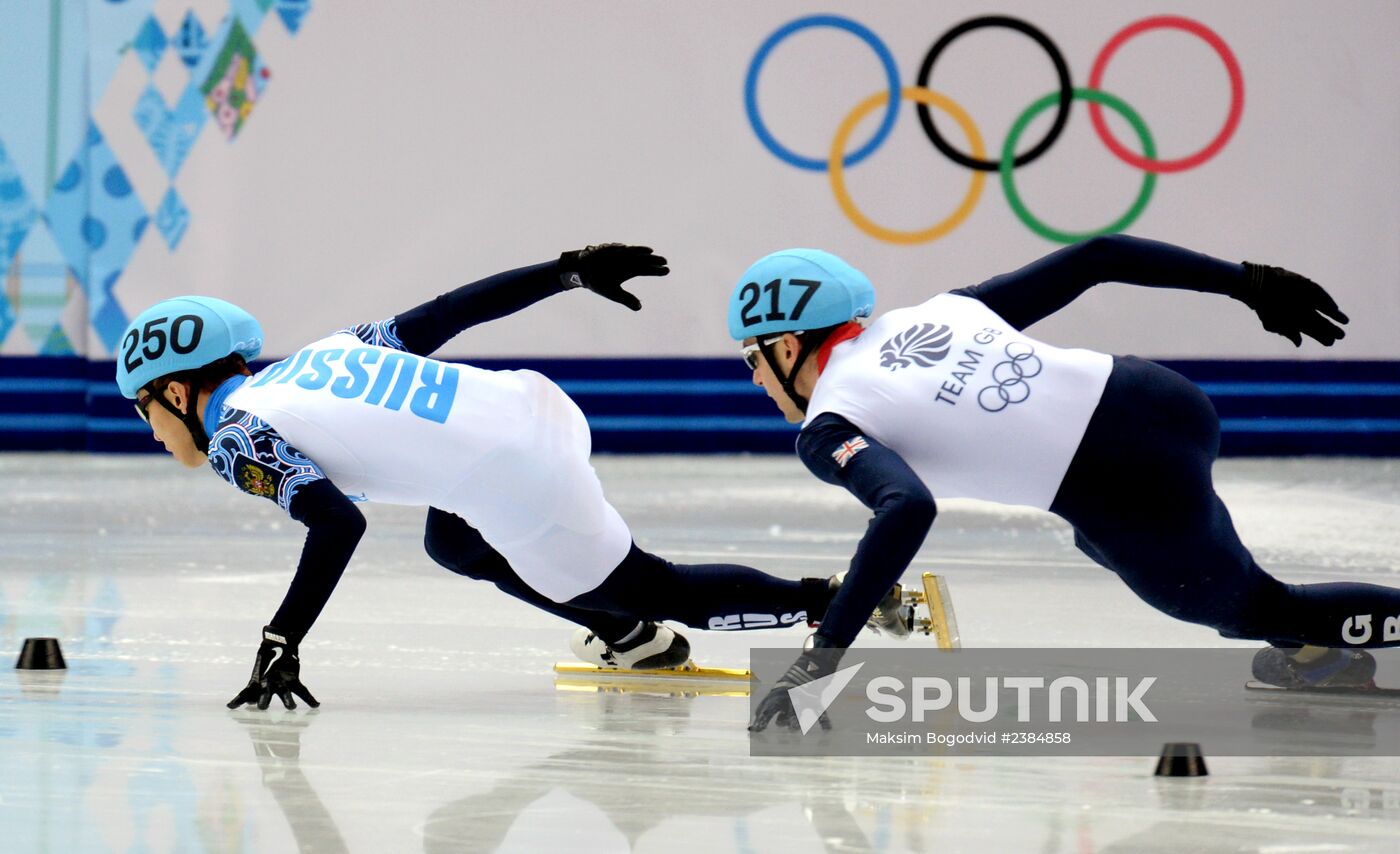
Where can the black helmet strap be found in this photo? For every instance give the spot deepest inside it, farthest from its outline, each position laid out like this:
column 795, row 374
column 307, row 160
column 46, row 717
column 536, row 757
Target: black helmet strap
column 786, row 379
column 190, row 418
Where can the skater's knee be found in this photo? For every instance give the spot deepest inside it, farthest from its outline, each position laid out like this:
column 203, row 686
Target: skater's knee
column 457, row 546
column 665, row 579
column 437, row 537
column 639, row 583
column 1090, row 550
column 1262, row 612
column 443, row 556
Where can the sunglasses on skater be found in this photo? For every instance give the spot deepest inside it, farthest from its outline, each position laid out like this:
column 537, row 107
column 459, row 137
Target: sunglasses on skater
column 144, row 400
column 142, row 404
column 750, row 351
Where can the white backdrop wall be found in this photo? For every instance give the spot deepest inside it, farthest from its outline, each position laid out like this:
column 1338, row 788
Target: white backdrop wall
column 400, row 149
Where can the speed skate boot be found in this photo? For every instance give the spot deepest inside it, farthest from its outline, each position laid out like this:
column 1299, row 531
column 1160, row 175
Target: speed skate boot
column 892, row 616
column 651, row 647
column 1314, row 667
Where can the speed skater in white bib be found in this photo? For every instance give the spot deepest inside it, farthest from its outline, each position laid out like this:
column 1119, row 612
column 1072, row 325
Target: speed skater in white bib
column 500, row 458
column 951, row 399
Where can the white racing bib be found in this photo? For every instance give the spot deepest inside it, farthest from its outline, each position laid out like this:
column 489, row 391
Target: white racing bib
column 976, row 408
column 505, row 450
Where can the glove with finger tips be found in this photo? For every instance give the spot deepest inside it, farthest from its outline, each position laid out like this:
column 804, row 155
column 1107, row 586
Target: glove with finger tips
column 603, row 268
column 1291, row 305
column 276, row 671
column 777, row 708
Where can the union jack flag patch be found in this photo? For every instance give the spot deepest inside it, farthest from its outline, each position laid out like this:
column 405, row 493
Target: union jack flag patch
column 843, row 454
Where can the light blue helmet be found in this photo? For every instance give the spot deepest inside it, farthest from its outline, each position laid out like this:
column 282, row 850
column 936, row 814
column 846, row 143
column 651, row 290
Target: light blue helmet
column 182, row 334
column 798, row 289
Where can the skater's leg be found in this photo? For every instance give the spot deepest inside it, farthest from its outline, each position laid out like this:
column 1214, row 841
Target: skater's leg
column 706, row 596
column 459, row 547
column 1202, row 573
column 1141, row 497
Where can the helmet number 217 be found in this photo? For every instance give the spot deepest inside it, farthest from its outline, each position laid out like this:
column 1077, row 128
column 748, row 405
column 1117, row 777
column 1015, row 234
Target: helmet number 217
column 751, row 293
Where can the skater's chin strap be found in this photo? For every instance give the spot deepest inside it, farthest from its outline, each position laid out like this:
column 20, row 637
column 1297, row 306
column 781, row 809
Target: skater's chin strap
column 813, row 342
column 189, row 418
column 786, row 379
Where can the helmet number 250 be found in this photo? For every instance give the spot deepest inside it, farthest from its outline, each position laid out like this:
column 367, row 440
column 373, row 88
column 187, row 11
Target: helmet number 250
column 751, row 293
column 183, row 338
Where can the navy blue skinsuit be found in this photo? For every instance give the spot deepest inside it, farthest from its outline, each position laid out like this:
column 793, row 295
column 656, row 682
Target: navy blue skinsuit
column 1138, row 490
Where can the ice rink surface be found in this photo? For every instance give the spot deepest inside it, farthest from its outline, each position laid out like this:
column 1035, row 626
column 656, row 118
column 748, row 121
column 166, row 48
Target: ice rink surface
column 441, row 728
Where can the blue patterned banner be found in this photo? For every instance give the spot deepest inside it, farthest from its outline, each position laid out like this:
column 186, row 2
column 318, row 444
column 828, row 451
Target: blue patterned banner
column 70, row 217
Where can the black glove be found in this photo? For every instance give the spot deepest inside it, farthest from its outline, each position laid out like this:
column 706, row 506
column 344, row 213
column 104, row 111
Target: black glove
column 276, row 670
column 603, row 268
column 814, row 663
column 1291, row 305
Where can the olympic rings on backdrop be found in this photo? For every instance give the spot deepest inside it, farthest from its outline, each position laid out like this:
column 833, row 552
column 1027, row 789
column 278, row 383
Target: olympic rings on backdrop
column 1149, row 164
column 924, row 98
column 1061, row 71
column 756, row 65
column 1094, row 97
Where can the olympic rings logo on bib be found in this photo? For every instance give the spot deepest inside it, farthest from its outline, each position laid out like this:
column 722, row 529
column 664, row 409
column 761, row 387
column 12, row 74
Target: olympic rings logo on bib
column 976, row 160
column 1009, row 378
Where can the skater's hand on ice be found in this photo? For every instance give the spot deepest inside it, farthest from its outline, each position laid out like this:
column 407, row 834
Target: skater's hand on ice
column 603, row 268
column 276, row 670
column 777, row 706
column 1292, row 305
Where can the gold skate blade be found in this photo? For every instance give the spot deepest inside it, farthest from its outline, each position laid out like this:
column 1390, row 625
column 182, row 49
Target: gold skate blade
column 941, row 622
column 690, row 671
column 652, row 687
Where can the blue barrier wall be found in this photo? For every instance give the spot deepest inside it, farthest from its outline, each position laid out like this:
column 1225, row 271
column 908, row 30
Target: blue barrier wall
column 709, row 405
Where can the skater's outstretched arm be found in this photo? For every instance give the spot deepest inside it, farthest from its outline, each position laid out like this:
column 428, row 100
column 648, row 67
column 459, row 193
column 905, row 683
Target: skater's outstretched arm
column 601, row 269
column 248, row 453
column 839, row 453
column 1287, row 303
